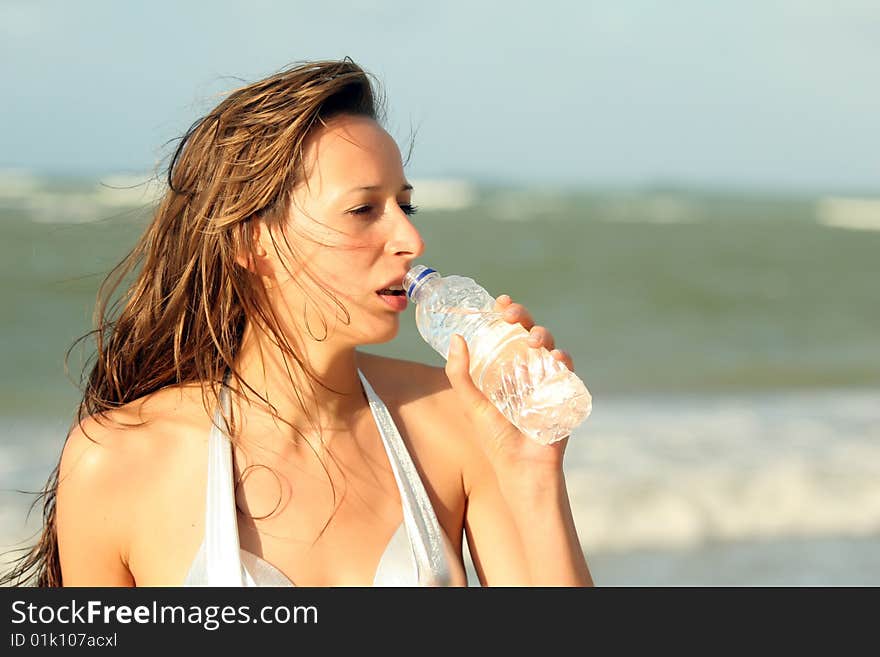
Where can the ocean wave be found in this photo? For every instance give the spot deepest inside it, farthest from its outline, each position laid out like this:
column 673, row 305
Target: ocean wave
column 685, row 474
column 849, row 213
column 656, row 473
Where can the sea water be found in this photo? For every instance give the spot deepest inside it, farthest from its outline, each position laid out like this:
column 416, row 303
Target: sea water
column 731, row 343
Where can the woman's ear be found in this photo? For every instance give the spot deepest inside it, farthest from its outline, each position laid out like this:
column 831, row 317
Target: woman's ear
column 253, row 252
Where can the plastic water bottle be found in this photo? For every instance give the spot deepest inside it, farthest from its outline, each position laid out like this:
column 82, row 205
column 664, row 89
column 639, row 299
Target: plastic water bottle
column 537, row 393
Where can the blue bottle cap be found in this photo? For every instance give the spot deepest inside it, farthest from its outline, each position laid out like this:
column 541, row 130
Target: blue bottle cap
column 414, row 275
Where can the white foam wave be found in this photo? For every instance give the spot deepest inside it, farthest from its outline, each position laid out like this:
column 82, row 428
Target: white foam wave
column 648, row 475
column 18, row 183
column 47, row 201
column 849, row 213
column 443, row 194
column 656, row 473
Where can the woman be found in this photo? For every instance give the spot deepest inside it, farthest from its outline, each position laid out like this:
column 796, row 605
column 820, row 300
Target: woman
column 230, row 431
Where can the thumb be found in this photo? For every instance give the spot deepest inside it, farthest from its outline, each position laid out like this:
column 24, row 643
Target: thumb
column 458, row 372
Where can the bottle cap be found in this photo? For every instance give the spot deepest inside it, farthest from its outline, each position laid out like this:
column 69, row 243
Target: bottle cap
column 413, row 276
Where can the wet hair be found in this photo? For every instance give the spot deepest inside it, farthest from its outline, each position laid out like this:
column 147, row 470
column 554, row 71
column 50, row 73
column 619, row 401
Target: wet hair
column 182, row 317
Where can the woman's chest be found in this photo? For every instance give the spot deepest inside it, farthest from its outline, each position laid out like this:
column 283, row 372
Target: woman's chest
column 323, row 523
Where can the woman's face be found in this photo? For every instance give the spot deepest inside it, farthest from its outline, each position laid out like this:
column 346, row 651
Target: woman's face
column 349, row 229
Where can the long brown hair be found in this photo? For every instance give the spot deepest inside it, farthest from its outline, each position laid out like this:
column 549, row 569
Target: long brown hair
column 182, row 318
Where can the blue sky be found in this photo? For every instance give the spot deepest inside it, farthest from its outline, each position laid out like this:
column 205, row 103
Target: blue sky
column 766, row 93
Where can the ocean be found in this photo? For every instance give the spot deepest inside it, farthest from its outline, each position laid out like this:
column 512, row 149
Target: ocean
column 731, row 341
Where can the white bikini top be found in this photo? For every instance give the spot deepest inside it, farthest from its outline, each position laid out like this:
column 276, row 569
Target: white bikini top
column 419, row 553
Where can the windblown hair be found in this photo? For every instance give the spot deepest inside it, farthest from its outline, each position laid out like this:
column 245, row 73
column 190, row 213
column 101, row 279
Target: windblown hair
column 182, row 318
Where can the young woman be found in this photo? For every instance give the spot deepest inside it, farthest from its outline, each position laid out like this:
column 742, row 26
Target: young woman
column 232, row 434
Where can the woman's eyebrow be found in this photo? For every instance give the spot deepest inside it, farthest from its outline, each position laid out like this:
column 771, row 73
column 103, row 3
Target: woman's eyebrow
column 371, row 188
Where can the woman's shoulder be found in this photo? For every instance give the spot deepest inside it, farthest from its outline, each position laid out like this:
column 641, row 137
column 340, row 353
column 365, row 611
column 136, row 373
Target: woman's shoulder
column 406, row 381
column 427, row 403
column 115, row 467
column 122, row 449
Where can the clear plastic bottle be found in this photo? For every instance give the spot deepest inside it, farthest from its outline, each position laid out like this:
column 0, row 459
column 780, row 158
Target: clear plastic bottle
column 537, row 393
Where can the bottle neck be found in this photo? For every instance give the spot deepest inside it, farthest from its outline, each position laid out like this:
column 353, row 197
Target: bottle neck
column 417, row 287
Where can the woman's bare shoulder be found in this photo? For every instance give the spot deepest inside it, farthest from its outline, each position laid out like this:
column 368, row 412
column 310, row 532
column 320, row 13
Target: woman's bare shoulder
column 425, row 391
column 121, row 451
column 111, row 470
column 406, row 380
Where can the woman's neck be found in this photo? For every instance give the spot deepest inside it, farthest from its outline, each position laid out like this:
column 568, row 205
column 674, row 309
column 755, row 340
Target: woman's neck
column 290, row 386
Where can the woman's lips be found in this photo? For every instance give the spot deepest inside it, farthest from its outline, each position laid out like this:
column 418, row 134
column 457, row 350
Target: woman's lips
column 396, row 301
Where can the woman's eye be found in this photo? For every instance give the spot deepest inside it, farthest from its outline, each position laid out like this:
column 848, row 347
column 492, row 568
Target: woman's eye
column 408, row 209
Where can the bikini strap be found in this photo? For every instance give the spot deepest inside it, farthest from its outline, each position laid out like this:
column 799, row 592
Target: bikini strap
column 421, row 522
column 222, row 556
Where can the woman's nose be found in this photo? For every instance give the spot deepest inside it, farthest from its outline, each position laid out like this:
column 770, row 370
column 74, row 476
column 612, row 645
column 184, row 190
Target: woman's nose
column 406, row 237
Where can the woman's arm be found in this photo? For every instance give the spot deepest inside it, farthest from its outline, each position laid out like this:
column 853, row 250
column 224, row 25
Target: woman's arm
column 91, row 510
column 518, row 518
column 541, row 510
column 520, row 529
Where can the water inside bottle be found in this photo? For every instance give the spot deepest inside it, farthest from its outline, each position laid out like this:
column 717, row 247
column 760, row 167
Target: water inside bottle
column 537, row 393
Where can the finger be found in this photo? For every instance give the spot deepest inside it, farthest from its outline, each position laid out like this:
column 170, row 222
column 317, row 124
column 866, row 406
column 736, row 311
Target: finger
column 516, row 313
column 539, row 336
column 563, row 356
column 458, row 372
column 502, row 302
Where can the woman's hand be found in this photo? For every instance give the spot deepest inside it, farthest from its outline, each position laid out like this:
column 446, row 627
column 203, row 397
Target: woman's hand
column 505, row 445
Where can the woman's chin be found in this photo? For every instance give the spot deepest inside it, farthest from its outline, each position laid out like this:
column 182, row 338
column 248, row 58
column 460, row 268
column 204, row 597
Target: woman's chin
column 384, row 332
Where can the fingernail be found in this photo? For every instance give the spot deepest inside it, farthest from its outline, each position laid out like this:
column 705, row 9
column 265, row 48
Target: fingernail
column 504, row 298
